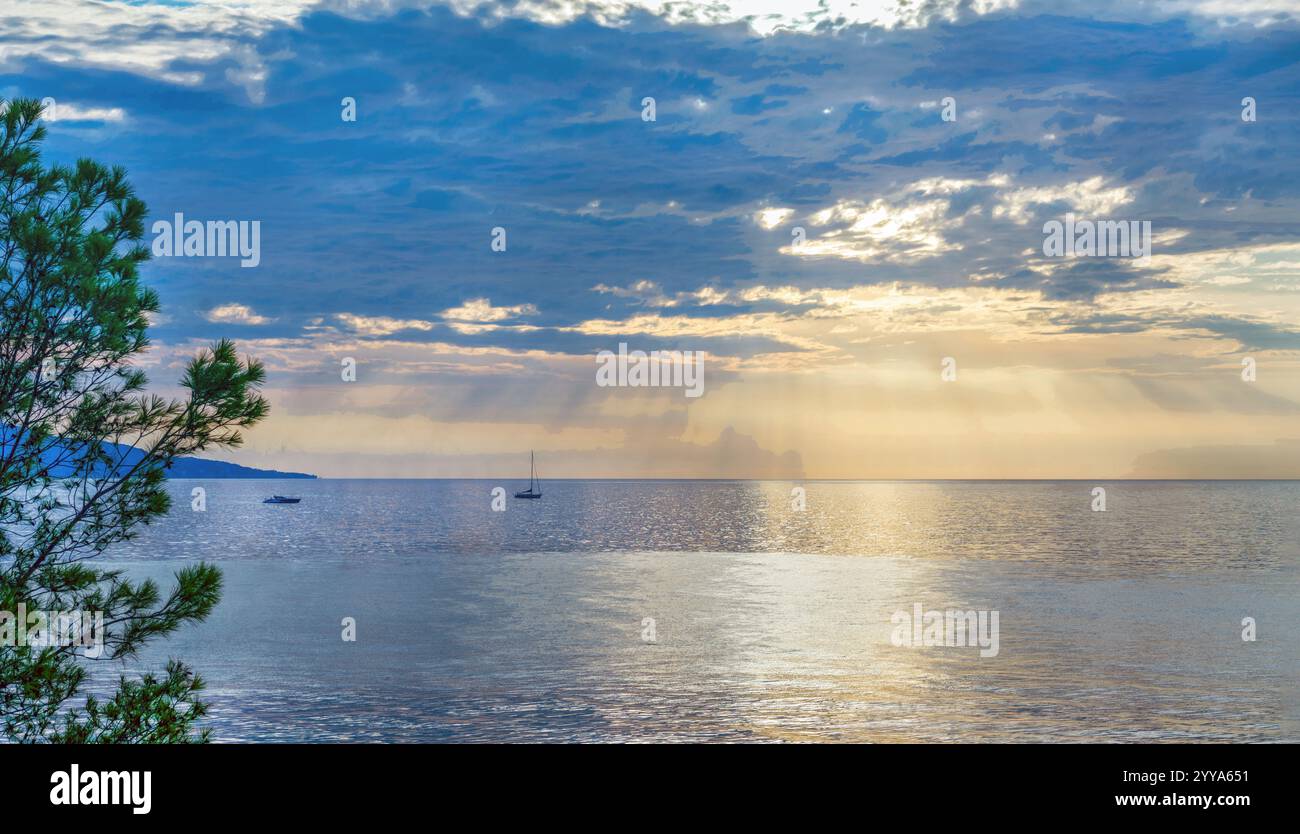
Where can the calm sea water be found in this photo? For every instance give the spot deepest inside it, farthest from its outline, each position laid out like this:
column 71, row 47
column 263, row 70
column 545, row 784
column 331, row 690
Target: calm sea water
column 770, row 624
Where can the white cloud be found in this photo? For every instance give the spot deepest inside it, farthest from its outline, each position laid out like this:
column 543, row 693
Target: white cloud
column 145, row 38
column 1090, row 197
column 63, row 111
column 877, row 231
column 912, row 222
column 480, row 310
column 651, row 294
column 647, row 292
column 381, row 325
column 770, row 218
column 763, row 16
column 477, row 315
column 235, row 314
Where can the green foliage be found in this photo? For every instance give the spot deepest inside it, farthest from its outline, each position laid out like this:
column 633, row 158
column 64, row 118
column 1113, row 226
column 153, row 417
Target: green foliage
column 84, row 451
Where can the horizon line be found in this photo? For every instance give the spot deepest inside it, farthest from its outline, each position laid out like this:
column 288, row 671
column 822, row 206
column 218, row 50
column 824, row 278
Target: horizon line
column 749, row 480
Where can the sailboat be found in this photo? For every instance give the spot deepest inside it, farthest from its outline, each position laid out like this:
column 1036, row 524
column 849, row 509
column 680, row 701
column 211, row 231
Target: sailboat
column 534, row 486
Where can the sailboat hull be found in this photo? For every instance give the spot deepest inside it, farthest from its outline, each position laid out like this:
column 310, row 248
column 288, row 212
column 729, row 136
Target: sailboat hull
column 528, row 495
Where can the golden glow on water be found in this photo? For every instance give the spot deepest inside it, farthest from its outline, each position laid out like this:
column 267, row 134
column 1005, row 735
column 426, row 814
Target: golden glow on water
column 771, row 623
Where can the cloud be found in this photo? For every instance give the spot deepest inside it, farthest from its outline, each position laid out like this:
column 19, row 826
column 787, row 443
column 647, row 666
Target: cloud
column 235, row 314
column 380, row 325
column 923, row 237
column 917, row 221
column 481, row 310
column 62, row 111
column 770, row 218
column 479, row 316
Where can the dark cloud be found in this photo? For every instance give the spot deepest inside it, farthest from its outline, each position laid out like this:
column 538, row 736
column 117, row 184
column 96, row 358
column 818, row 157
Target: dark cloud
column 464, row 126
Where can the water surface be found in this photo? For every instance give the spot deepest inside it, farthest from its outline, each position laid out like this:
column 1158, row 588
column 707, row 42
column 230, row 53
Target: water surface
column 770, row 624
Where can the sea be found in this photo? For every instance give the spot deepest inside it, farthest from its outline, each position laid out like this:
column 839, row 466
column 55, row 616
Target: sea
column 736, row 611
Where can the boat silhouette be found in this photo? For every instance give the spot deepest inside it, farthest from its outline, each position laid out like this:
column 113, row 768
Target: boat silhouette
column 534, row 486
column 280, row 499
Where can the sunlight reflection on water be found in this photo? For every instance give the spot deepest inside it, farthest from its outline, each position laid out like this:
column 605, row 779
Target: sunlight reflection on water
column 771, row 624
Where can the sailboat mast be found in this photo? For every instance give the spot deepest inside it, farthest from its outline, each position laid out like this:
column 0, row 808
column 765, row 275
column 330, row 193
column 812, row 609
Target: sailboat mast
column 532, row 470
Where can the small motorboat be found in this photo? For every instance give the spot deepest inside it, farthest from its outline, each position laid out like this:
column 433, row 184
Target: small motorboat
column 280, row 499
column 534, row 486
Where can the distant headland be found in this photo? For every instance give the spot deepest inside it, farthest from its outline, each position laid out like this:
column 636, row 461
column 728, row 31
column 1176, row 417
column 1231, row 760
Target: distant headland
column 121, row 455
column 200, row 468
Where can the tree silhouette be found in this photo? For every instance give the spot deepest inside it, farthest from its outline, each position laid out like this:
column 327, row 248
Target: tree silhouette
column 84, row 451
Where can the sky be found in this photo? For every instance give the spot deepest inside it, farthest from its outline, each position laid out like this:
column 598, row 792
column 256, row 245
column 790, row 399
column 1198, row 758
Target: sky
column 842, row 205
